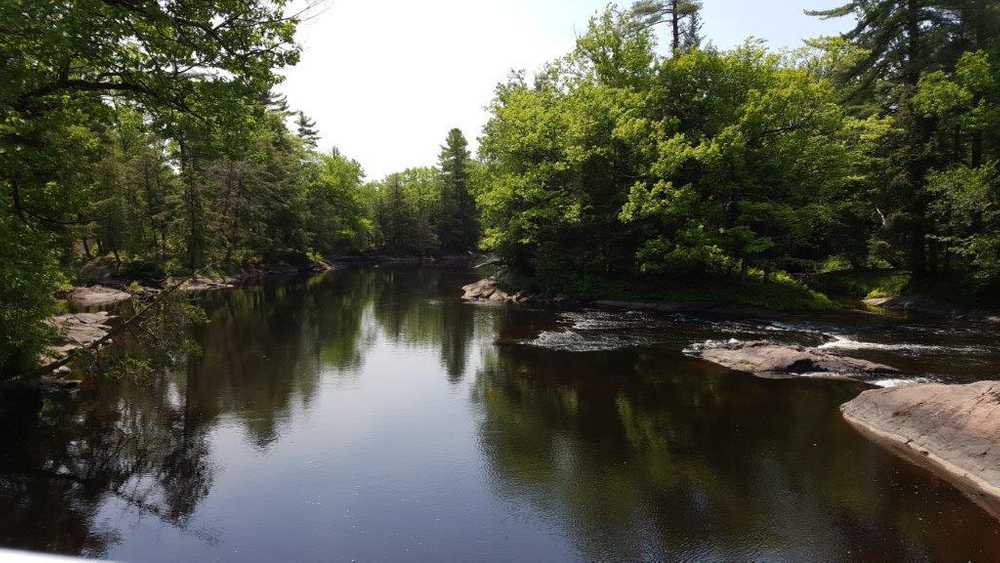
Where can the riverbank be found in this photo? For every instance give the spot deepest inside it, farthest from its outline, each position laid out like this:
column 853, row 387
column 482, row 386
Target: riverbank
column 951, row 429
column 895, row 291
column 734, row 295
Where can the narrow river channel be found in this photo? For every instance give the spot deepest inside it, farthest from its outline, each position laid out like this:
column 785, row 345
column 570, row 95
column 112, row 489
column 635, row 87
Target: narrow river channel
column 370, row 415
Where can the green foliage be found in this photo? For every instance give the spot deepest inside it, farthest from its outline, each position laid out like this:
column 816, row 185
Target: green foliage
column 457, row 217
column 28, row 277
column 428, row 211
column 619, row 163
column 862, row 284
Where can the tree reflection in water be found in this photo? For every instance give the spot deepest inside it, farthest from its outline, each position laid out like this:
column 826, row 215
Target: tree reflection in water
column 644, row 454
column 145, row 445
column 318, row 389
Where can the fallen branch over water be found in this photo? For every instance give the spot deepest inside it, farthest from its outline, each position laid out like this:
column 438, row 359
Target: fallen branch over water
column 113, row 331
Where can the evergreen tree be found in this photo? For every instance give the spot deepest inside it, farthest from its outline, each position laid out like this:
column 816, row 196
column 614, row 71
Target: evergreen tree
column 458, row 226
column 681, row 14
column 691, row 33
column 306, row 129
column 903, row 41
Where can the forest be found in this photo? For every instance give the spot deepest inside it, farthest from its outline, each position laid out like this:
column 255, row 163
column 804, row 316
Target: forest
column 643, row 161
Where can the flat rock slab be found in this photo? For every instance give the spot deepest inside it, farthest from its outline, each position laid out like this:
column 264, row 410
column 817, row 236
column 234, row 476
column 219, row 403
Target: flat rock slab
column 76, row 331
column 97, row 296
column 952, row 428
column 204, row 283
column 772, row 360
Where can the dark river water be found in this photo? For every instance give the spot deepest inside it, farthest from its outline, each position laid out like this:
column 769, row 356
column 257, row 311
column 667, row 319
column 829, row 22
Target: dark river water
column 370, row 415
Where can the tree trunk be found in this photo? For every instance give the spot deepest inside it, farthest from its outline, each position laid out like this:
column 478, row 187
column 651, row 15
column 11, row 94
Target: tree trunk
column 675, row 24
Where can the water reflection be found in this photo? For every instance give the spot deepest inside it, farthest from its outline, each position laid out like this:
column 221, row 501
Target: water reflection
column 369, row 414
column 649, row 455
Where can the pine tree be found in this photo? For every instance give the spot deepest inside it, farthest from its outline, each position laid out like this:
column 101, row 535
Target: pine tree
column 654, row 12
column 904, row 39
column 691, row 37
column 307, row 130
column 458, row 227
column 277, row 103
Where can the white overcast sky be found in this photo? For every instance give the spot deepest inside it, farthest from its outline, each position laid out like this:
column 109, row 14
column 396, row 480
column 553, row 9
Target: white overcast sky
column 386, row 79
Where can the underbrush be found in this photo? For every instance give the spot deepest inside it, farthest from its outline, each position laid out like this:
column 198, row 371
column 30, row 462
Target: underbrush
column 862, row 284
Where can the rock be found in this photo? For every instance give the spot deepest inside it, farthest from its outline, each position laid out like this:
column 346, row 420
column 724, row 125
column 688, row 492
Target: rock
column 483, row 290
column 76, row 331
column 204, row 283
column 99, row 269
column 97, row 296
column 765, row 359
column 487, row 291
column 660, row 306
column 954, row 429
column 879, row 301
column 59, row 383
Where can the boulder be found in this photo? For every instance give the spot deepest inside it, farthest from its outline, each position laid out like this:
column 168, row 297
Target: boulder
column 483, row 290
column 954, row 429
column 487, row 291
column 97, row 296
column 766, row 359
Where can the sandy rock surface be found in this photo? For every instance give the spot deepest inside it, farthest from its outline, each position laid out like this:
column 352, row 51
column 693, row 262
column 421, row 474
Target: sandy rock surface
column 954, row 428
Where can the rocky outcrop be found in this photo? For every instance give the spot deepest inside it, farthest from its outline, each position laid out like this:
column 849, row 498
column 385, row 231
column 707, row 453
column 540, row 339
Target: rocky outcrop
column 96, row 296
column 954, row 429
column 203, row 283
column 76, row 331
column 770, row 360
column 487, row 290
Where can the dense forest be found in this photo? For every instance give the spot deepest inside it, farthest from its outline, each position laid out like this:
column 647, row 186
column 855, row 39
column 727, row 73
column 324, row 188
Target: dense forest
column 873, row 150
column 160, row 145
column 644, row 159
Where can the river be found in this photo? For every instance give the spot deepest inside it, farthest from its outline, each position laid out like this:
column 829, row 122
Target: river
column 370, row 415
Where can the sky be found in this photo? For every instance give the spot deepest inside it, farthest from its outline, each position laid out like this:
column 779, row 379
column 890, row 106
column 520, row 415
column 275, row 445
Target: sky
column 386, row 80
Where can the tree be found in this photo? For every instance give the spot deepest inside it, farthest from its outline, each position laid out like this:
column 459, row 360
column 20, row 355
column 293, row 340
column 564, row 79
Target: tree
column 306, row 129
column 401, row 229
column 683, row 16
column 172, row 61
column 458, row 228
column 912, row 47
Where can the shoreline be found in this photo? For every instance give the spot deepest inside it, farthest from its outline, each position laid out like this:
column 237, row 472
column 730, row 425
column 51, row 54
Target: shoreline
column 952, row 430
column 977, row 489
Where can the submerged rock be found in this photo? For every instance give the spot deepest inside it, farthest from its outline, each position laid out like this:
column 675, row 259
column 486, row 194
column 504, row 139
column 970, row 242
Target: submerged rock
column 766, row 359
column 954, row 429
column 97, row 296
